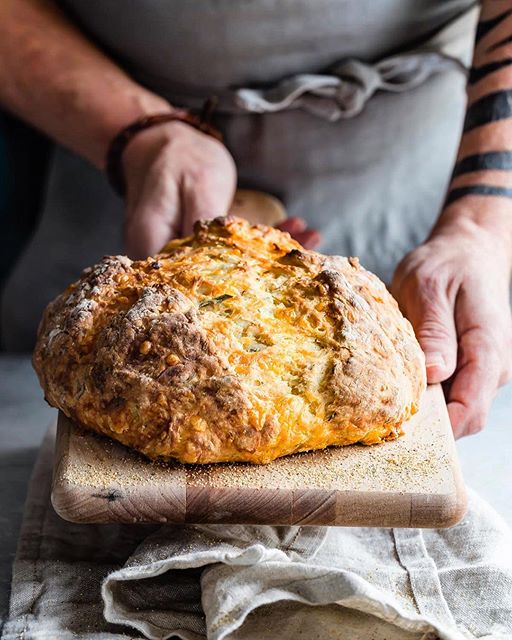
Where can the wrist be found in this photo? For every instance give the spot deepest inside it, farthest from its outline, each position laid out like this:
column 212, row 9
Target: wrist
column 478, row 217
column 136, row 105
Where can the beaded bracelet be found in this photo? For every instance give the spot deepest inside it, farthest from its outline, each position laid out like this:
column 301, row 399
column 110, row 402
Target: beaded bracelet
column 113, row 163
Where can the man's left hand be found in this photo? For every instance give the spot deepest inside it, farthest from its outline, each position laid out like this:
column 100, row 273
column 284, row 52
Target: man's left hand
column 455, row 291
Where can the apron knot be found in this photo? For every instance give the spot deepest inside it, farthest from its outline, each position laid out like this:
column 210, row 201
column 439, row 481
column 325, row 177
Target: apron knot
column 344, row 92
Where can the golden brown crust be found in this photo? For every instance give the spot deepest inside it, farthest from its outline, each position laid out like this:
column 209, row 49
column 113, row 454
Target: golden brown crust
column 234, row 344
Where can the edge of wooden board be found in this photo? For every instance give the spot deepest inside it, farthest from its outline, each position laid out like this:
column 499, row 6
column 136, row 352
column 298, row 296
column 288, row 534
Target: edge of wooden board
column 311, row 508
column 181, row 501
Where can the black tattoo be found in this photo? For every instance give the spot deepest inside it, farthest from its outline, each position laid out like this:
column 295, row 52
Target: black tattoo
column 477, row 73
column 489, row 108
column 499, row 44
column 478, row 190
column 500, row 160
column 488, row 25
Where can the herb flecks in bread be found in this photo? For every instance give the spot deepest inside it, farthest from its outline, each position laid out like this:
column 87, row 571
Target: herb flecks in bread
column 235, row 344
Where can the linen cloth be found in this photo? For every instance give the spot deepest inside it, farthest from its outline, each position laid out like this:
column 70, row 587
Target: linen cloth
column 257, row 582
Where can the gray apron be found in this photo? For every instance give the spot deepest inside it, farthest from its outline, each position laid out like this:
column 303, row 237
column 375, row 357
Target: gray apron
column 347, row 110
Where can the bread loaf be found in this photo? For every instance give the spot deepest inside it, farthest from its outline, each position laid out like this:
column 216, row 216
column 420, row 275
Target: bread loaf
column 234, row 344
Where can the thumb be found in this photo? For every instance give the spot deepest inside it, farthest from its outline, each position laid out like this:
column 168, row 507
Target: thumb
column 151, row 219
column 209, row 197
column 434, row 324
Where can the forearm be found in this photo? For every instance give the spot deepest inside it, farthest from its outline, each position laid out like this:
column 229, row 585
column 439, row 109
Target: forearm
column 481, row 188
column 54, row 78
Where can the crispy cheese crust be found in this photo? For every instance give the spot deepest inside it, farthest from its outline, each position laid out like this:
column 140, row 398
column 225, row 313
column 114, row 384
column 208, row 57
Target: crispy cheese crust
column 235, row 344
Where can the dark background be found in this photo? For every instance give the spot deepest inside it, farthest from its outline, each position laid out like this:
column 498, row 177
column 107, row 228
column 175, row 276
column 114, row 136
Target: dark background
column 24, row 157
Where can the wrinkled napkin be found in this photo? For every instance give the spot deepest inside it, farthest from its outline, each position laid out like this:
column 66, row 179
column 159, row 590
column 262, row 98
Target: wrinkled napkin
column 257, row 582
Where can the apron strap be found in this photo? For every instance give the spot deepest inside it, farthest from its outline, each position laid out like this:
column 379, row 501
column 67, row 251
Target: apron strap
column 344, row 93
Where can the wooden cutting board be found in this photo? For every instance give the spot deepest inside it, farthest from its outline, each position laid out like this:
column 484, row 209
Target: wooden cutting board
column 414, row 481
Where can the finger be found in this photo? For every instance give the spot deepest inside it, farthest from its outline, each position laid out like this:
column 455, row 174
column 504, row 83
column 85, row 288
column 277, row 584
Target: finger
column 309, row 239
column 297, row 228
column 480, row 361
column 292, row 225
column 431, row 314
column 474, row 385
column 152, row 218
column 207, row 196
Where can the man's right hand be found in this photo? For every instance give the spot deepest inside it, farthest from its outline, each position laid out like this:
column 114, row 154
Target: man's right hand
column 175, row 175
column 55, row 78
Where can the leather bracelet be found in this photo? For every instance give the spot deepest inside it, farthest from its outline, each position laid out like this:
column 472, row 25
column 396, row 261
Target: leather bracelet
column 113, row 163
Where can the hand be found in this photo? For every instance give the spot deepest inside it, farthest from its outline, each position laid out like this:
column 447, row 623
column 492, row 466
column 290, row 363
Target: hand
column 455, row 291
column 298, row 229
column 175, row 175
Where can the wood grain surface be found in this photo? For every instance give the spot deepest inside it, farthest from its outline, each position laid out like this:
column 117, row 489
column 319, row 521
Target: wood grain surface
column 414, row 481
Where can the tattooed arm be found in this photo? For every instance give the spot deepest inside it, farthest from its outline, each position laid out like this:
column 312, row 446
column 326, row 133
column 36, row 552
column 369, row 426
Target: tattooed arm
column 485, row 156
column 455, row 287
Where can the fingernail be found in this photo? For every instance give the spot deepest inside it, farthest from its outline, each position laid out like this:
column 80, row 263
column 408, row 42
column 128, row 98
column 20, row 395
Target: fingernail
column 435, row 359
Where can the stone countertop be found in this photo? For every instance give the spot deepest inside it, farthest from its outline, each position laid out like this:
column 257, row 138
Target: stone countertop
column 486, row 458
